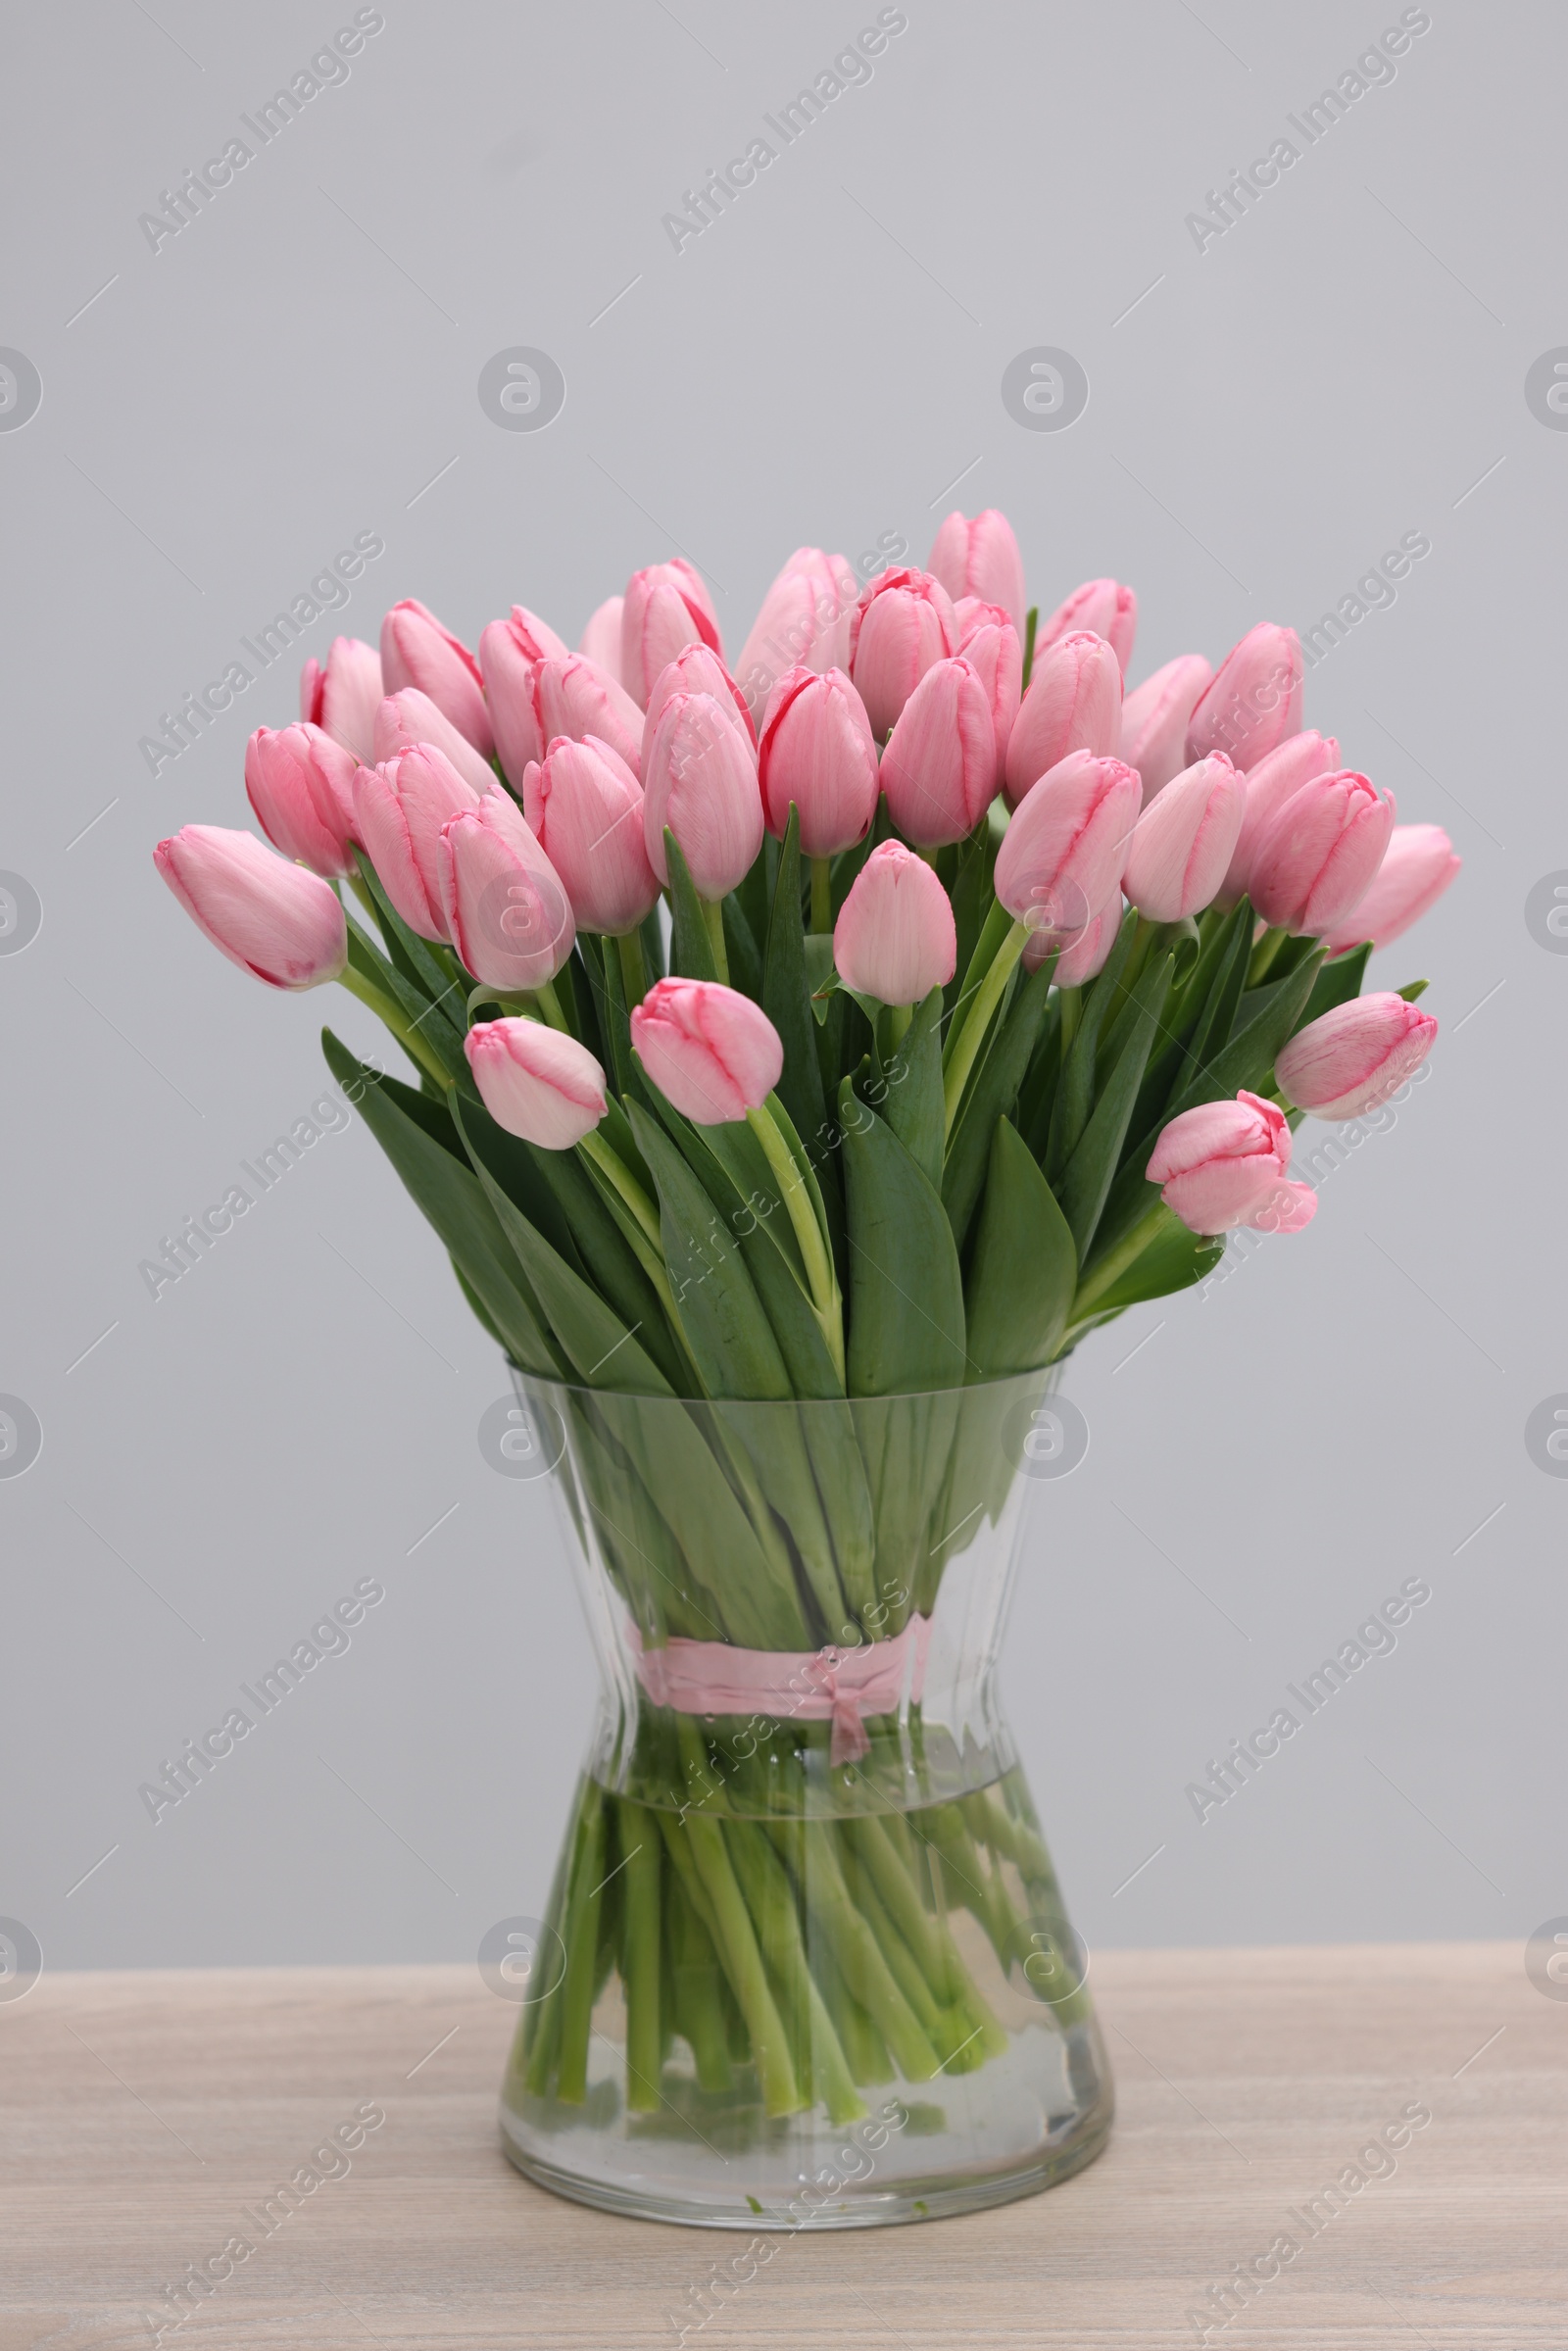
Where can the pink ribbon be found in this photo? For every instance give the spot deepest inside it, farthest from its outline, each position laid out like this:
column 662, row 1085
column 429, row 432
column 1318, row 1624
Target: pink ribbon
column 710, row 1677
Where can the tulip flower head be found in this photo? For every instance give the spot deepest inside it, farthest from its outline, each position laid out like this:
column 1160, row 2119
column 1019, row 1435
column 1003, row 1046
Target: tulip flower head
column 1269, row 785
column 711, row 1051
column 508, row 914
column 895, row 937
column 1224, row 1164
column 398, row 811
column 978, row 555
column 804, row 623
column 818, row 750
column 1063, row 855
column 902, row 623
column 1318, row 855
column 1086, row 953
column 938, row 770
column 342, row 696
column 1102, row 606
column 585, row 807
column 417, row 650
column 1183, row 841
column 511, row 654
column 696, row 671
column 601, row 637
column 1155, row 716
column 409, row 719
column 300, row 782
column 275, row 921
column 1355, row 1057
column 1417, row 867
column 1255, row 701
column 989, row 643
column 1073, row 704
column 700, row 780
column 666, row 607
column 536, row 1081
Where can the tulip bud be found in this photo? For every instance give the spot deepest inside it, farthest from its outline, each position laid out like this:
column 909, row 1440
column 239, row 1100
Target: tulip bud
column 1155, row 716
column 300, row 783
column 978, row 555
column 585, row 807
column 601, row 640
column 667, row 607
column 1417, row 867
column 510, row 918
column 342, row 698
column 406, row 721
column 711, row 1051
column 398, row 811
column 1073, row 704
column 511, row 652
column 938, row 770
column 700, row 779
column 895, row 937
column 1224, row 1164
column 416, row 651
column 272, row 918
column 1182, row 843
column 536, row 1081
column 1316, row 858
column 804, row 615
column 1269, row 785
column 1355, row 1057
column 575, row 697
column 818, row 749
column 695, row 670
column 903, row 623
column 989, row 642
column 1103, row 607
column 1061, row 857
column 1255, row 701
column 1085, row 956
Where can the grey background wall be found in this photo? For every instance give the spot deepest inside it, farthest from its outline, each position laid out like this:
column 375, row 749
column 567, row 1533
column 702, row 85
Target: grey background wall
column 1270, row 408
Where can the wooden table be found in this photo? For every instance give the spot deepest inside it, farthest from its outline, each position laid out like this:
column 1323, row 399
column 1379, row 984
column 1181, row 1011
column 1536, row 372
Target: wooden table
column 144, row 2114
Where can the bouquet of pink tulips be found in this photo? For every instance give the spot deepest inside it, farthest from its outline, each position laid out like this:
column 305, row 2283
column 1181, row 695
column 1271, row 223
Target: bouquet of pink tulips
column 870, row 1023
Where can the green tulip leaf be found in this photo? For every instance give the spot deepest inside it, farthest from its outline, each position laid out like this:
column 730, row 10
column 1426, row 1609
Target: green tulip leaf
column 1025, row 1267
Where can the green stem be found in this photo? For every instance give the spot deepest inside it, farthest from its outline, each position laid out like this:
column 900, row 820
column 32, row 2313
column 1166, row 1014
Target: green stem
column 407, row 1036
column 1115, row 1261
column 971, row 1036
column 643, row 1851
column 581, row 1939
column 615, row 1171
column 549, row 1004
column 362, row 892
column 899, row 1019
column 1030, row 624
column 1071, row 1000
column 634, row 968
column 820, row 1273
column 714, row 918
column 743, row 1963
column 1264, row 953
column 821, row 895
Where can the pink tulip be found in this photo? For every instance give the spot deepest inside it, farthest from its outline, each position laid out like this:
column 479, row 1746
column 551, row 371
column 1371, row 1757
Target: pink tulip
column 989, row 642
column 1355, row 1056
column 1088, row 954
column 1255, row 701
column 1269, row 785
column 695, row 670
column 711, row 1051
column 700, row 780
column 269, row 917
column 667, row 607
column 1182, row 843
column 1224, row 1164
column 510, row 918
column 1315, row 859
column 1155, row 716
column 585, row 807
column 938, row 770
column 1417, row 867
column 903, row 623
column 416, row 651
column 342, row 698
column 399, row 809
column 575, row 697
column 803, row 617
column 536, row 1081
column 300, row 783
column 409, row 720
column 1103, row 607
column 1061, row 857
column 978, row 555
column 818, row 749
column 510, row 653
column 601, row 638
column 895, row 937
column 1073, row 704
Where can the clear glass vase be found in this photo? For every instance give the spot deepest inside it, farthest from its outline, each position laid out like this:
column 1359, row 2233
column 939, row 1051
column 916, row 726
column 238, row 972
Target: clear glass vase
column 806, row 1962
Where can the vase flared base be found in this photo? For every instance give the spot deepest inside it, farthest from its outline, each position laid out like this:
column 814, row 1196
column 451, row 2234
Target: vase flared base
column 941, row 2197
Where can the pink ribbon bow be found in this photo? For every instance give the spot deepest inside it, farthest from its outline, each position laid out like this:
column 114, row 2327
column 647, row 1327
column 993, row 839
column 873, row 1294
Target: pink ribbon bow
column 818, row 1685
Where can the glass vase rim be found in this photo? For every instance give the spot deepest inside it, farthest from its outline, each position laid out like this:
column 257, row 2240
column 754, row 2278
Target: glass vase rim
column 1005, row 1384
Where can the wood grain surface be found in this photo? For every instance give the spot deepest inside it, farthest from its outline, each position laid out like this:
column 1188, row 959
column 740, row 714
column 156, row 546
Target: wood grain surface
column 145, row 2115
